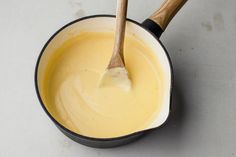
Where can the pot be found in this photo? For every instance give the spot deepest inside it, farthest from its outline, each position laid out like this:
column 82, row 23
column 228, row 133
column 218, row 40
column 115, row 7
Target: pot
column 149, row 31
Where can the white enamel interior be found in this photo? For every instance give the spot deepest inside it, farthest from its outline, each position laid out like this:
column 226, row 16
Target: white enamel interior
column 108, row 24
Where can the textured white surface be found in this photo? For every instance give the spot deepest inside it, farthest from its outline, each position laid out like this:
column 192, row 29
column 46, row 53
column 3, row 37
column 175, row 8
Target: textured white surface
column 201, row 42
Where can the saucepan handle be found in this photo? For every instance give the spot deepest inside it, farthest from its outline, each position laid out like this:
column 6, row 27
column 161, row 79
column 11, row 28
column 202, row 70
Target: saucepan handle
column 158, row 21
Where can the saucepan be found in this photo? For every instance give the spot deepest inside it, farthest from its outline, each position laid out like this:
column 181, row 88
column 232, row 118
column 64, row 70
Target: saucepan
column 149, row 31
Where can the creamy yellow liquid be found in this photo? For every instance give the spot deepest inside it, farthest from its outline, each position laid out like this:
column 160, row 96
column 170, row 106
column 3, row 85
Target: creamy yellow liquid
column 72, row 94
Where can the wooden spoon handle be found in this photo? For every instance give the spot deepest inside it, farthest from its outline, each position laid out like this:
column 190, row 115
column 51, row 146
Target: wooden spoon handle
column 167, row 11
column 121, row 13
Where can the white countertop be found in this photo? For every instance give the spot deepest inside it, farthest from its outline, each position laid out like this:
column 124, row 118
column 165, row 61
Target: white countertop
column 201, row 41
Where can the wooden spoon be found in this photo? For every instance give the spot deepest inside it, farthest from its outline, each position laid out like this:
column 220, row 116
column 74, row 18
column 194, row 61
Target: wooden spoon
column 116, row 73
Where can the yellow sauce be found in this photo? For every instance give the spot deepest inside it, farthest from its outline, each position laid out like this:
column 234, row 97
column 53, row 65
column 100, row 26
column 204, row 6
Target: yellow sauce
column 72, row 94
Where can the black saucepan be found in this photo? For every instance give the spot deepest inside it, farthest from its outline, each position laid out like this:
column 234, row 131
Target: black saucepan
column 149, row 31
